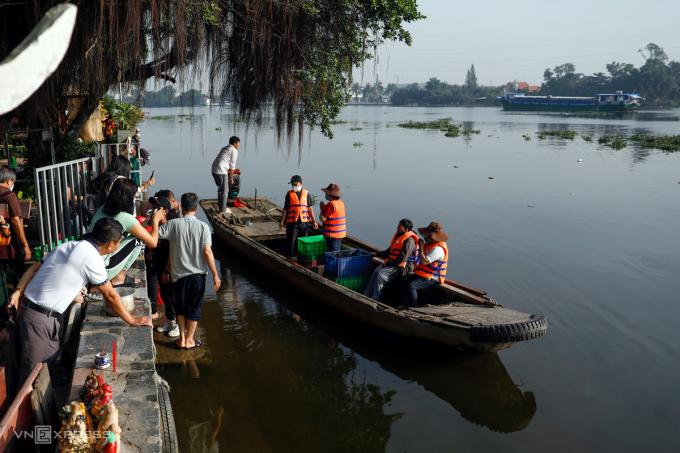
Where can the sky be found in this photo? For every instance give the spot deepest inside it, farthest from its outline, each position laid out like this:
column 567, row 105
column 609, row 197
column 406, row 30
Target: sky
column 508, row 40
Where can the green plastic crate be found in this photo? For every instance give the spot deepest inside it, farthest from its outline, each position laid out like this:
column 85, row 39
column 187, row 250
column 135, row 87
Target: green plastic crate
column 357, row 283
column 311, row 247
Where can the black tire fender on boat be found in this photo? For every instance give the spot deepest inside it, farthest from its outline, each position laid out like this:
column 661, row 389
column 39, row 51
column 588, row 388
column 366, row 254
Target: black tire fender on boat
column 168, row 429
column 535, row 327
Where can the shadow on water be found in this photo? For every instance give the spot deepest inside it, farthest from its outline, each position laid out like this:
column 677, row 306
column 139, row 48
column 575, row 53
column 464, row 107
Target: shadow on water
column 273, row 386
column 476, row 385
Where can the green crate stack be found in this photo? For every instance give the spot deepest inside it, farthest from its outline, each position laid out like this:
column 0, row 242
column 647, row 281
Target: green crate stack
column 357, row 283
column 311, row 247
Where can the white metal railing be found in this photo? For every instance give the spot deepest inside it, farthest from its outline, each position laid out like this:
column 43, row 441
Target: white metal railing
column 65, row 193
column 108, row 150
column 62, row 196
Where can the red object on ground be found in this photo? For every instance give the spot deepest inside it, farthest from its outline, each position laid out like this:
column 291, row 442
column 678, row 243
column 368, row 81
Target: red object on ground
column 114, row 353
column 239, row 204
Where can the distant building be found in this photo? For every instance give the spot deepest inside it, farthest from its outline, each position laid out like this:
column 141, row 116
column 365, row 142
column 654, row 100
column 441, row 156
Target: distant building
column 517, row 86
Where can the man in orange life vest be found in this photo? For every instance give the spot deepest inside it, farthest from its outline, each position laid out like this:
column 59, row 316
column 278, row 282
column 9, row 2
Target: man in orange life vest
column 400, row 259
column 298, row 215
column 432, row 261
column 333, row 218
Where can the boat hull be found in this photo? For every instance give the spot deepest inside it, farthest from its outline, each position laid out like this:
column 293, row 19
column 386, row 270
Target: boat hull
column 547, row 107
column 405, row 323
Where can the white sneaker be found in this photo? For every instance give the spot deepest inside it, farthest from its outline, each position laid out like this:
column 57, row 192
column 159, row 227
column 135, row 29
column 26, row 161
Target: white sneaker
column 166, row 327
column 174, row 332
column 226, row 211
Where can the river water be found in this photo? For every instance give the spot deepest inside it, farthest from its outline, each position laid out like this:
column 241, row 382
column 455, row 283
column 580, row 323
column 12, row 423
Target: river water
column 592, row 245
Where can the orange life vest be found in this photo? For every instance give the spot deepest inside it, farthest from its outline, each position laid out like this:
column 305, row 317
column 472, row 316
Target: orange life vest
column 5, row 234
column 438, row 268
column 397, row 245
column 298, row 208
column 335, row 226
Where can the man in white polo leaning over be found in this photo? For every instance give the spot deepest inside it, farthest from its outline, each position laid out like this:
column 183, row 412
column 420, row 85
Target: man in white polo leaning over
column 47, row 289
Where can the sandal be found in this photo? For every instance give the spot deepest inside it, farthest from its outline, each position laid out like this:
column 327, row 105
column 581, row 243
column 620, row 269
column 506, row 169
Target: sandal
column 197, row 344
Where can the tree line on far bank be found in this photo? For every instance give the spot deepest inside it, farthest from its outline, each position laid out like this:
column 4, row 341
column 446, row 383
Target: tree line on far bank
column 657, row 81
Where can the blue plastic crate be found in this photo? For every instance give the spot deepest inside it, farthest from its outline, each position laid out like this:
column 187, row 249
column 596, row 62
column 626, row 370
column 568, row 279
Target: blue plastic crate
column 348, row 263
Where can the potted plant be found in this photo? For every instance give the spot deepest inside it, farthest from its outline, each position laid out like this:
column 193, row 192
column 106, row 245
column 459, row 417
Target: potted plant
column 126, row 116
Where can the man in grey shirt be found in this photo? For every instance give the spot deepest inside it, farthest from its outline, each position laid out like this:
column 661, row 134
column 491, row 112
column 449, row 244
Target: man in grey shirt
column 190, row 257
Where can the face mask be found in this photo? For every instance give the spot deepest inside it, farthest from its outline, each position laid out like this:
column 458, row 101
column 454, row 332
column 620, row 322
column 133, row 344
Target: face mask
column 297, row 188
column 328, row 197
column 11, row 187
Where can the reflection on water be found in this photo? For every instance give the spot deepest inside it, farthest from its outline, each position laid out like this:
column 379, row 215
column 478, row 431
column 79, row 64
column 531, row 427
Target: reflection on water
column 278, row 385
column 287, row 377
column 609, row 116
column 581, row 233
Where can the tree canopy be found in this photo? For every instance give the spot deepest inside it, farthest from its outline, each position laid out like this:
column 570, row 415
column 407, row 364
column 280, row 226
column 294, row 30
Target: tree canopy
column 471, row 78
column 436, row 92
column 295, row 55
column 657, row 80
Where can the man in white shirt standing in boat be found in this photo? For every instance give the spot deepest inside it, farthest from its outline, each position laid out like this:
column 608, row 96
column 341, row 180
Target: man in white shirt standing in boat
column 223, row 168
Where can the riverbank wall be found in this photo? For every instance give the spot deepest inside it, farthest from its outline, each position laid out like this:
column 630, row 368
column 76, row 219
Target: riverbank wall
column 139, row 393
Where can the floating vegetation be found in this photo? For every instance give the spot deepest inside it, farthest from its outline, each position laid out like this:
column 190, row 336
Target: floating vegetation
column 445, row 125
column 218, row 128
column 441, row 125
column 667, row 143
column 613, row 141
column 356, row 128
column 357, row 144
column 337, row 122
column 185, row 115
column 566, row 134
column 160, row 117
column 452, row 131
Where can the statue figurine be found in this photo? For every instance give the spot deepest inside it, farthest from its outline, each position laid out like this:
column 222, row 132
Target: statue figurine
column 99, row 404
column 90, row 387
column 76, row 429
column 109, row 430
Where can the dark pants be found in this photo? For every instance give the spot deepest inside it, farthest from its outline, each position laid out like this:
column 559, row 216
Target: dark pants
column 167, row 290
column 188, row 296
column 222, row 182
column 152, row 289
column 410, row 287
column 293, row 231
column 381, row 276
column 333, row 244
column 34, row 339
column 154, row 283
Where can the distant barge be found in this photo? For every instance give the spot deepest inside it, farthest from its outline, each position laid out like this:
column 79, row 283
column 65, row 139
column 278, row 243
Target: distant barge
column 609, row 102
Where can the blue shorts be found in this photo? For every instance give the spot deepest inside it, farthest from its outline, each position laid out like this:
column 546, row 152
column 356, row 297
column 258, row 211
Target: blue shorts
column 188, row 296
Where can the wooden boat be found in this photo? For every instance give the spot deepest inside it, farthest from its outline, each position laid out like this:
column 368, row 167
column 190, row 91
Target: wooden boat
column 32, row 406
column 618, row 102
column 454, row 314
